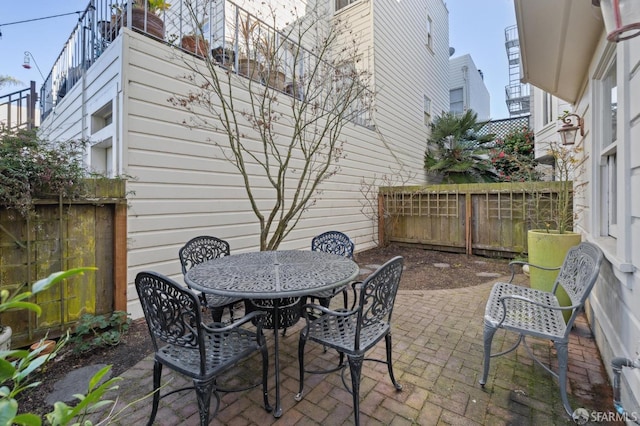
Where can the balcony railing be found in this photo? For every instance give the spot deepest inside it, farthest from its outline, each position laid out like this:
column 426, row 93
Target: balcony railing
column 17, row 109
column 228, row 34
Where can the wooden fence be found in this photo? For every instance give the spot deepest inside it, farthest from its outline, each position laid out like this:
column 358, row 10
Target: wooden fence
column 63, row 235
column 488, row 219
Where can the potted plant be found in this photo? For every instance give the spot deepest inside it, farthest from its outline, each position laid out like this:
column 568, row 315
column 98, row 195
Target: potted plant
column 553, row 215
column 195, row 41
column 223, row 55
column 272, row 73
column 248, row 64
column 144, row 18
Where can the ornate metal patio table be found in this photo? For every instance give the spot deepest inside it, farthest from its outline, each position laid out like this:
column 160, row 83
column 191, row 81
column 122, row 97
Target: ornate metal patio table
column 272, row 275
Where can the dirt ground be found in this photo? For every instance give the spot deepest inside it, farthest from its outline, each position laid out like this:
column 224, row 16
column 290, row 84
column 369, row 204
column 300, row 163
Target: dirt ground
column 424, row 270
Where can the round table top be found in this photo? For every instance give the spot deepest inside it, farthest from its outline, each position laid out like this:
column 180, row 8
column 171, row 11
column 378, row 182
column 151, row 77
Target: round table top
column 272, row 274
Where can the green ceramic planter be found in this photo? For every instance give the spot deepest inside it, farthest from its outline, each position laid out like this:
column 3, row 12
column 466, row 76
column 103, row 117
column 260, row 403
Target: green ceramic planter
column 548, row 249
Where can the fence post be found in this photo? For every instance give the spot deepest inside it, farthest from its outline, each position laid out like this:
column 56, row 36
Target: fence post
column 467, row 223
column 381, row 220
column 120, row 257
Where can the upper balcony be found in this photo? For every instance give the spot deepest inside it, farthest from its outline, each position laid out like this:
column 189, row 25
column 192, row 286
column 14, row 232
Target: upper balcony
column 234, row 38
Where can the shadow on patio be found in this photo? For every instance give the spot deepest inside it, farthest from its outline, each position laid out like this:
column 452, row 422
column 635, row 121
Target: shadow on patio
column 437, row 353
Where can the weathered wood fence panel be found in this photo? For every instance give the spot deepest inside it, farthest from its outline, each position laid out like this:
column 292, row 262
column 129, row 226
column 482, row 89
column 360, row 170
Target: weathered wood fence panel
column 63, row 235
column 490, row 219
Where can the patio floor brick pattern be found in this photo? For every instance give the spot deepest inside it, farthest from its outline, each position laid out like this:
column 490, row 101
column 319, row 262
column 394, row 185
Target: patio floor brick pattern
column 437, row 337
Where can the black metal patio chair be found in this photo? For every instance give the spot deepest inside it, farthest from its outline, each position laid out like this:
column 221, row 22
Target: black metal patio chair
column 334, row 242
column 536, row 313
column 183, row 343
column 354, row 332
column 198, row 250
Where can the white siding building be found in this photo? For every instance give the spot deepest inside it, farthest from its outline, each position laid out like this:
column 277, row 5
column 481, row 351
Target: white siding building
column 467, row 90
column 570, row 58
column 181, row 186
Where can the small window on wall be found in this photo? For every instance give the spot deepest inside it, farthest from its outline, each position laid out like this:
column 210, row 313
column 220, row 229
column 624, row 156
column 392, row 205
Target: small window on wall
column 101, row 158
column 427, row 110
column 343, row 3
column 429, row 33
column 456, row 104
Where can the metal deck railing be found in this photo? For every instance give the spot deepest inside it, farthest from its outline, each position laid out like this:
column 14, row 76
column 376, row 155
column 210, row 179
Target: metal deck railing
column 230, row 35
column 18, row 109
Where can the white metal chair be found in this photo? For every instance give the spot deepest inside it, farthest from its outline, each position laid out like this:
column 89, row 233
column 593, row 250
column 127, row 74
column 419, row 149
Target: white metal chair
column 537, row 313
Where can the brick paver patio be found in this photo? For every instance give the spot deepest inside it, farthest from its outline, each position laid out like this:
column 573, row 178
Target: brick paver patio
column 437, row 338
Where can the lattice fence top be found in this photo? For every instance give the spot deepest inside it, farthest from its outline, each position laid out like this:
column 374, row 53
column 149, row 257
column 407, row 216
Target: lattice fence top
column 503, row 127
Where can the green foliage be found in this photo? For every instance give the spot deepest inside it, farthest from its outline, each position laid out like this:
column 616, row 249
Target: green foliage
column 31, row 167
column 17, row 365
column 63, row 414
column 513, row 157
column 456, row 150
column 95, row 331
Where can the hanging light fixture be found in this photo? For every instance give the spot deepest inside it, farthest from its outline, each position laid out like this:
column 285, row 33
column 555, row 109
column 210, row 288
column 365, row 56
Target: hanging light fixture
column 27, row 63
column 569, row 129
column 621, row 18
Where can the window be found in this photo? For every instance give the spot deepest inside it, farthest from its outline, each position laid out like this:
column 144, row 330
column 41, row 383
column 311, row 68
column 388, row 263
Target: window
column 427, row 110
column 343, row 3
column 456, row 103
column 608, row 152
column 429, row 33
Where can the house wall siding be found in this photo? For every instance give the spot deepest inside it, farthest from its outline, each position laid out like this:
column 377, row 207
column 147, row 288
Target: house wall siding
column 613, row 309
column 406, row 70
column 183, row 187
column 475, row 93
column 181, row 184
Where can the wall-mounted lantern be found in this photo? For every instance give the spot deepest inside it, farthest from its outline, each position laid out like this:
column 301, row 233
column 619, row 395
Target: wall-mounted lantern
column 569, row 129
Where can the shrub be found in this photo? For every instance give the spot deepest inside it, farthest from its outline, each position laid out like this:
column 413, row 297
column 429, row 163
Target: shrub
column 31, row 167
column 513, row 157
column 95, row 331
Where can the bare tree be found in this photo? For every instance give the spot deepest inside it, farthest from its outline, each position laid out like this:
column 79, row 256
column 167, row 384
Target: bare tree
column 295, row 138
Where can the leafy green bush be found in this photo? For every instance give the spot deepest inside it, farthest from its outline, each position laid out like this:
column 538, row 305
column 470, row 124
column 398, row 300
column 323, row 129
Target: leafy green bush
column 514, row 157
column 31, row 167
column 17, row 365
column 95, row 331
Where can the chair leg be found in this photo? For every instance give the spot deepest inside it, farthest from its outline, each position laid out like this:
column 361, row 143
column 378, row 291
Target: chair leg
column 157, row 374
column 387, row 340
column 563, row 355
column 355, row 366
column 301, row 344
column 265, row 374
column 489, row 331
column 204, row 389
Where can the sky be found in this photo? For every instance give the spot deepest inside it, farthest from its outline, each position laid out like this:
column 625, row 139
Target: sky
column 475, row 27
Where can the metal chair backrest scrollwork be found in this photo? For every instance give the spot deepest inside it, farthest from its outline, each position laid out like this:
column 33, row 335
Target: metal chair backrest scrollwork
column 334, row 242
column 183, row 343
column 356, row 331
column 201, row 249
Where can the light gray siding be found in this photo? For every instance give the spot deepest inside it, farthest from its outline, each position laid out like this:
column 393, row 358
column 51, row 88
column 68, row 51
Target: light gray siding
column 464, row 74
column 406, row 70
